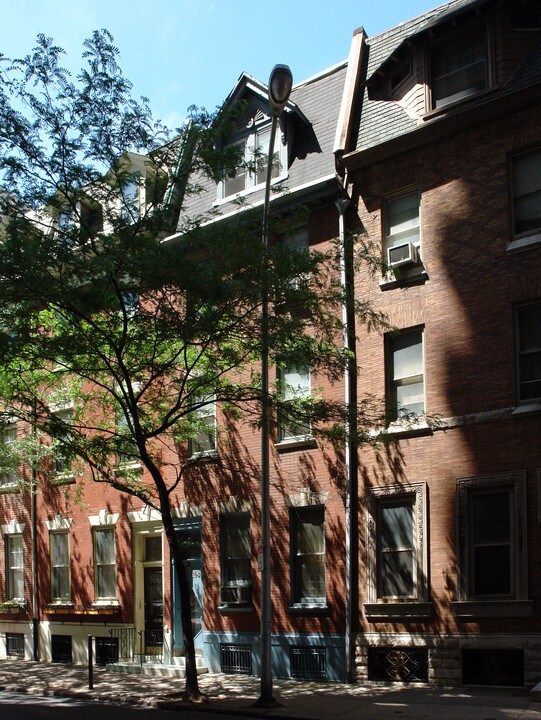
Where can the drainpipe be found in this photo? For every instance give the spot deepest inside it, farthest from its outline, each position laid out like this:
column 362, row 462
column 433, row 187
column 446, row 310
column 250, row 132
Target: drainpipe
column 350, row 445
column 33, row 531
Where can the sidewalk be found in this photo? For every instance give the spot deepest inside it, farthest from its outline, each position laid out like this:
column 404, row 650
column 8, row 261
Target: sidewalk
column 306, row 700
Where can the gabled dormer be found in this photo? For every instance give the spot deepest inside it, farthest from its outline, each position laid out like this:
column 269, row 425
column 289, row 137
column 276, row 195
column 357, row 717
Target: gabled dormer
column 248, row 135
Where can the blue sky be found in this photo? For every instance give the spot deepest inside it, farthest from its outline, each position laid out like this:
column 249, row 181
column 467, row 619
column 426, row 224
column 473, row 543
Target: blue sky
column 191, row 52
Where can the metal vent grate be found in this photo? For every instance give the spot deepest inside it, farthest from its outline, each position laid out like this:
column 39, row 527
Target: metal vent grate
column 399, row 664
column 61, row 649
column 308, row 662
column 15, row 644
column 493, row 667
column 236, row 659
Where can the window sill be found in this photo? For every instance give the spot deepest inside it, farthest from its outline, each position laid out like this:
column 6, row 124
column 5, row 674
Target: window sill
column 418, row 276
column 7, row 489
column 524, row 243
column 493, row 608
column 66, row 478
column 204, row 456
column 530, row 409
column 235, row 197
column 403, row 428
column 296, row 443
column 308, row 609
column 235, row 609
column 435, row 112
column 408, row 610
column 123, row 467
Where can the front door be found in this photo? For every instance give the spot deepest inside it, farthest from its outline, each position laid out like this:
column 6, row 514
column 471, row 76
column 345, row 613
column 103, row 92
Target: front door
column 189, row 536
column 153, row 611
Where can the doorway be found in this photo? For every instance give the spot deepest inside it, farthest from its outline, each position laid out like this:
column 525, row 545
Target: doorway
column 189, row 536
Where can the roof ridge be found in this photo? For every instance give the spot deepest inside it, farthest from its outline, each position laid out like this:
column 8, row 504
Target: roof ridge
column 417, row 20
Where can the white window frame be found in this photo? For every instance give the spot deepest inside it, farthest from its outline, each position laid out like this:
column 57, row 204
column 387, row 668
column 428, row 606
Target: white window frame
column 98, row 565
column 411, row 230
column 515, row 484
column 250, row 140
column 205, row 414
column 289, row 431
column 8, row 435
column 393, row 383
column 225, row 520
column 12, row 569
column 62, row 470
column 414, row 493
column 296, row 514
column 59, row 566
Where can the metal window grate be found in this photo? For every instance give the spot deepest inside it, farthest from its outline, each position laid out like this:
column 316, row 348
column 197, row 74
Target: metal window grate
column 503, row 667
column 106, row 650
column 398, row 664
column 308, row 662
column 236, row 659
column 15, row 644
column 61, row 649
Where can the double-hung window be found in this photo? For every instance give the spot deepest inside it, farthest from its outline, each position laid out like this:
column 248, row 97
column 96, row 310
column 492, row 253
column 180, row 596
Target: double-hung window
column 252, row 150
column 396, row 548
column 236, row 549
column 293, row 423
column 62, row 455
column 526, row 183
column 105, row 563
column 491, row 513
column 460, row 67
column 307, row 528
column 8, row 436
column 402, row 229
column 14, row 567
column 405, row 374
column 60, row 567
column 529, row 352
column 204, row 440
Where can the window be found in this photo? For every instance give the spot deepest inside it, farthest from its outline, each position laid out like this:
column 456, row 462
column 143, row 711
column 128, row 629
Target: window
column 459, row 68
column 127, row 452
column 8, row 436
column 405, row 377
column 14, row 567
column 529, row 352
column 129, row 200
column 491, row 532
column 307, row 526
column 204, row 440
column 402, row 229
column 60, row 567
column 236, row 549
column 62, row 455
column 396, row 554
column 105, row 563
column 526, row 172
column 294, row 386
column 252, row 169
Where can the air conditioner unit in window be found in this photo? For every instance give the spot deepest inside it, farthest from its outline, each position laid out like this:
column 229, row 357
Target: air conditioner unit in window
column 405, row 254
column 235, row 594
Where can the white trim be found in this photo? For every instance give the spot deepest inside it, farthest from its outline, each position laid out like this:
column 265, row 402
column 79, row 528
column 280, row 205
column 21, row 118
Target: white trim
column 59, row 523
column 144, row 515
column 13, row 528
column 185, row 509
column 104, row 518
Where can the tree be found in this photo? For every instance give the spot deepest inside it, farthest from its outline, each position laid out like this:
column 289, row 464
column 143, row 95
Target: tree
column 138, row 335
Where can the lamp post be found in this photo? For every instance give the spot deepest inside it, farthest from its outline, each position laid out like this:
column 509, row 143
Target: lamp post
column 280, row 83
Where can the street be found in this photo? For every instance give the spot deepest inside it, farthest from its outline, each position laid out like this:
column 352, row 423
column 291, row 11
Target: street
column 18, row 706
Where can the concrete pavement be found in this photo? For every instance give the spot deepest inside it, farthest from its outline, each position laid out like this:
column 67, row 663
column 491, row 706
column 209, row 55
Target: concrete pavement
column 303, row 700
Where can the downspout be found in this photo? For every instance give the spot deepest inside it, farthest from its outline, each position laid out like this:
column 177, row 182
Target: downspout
column 33, row 531
column 351, row 99
column 350, row 445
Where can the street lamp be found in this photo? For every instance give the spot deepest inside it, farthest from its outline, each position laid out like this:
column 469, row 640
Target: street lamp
column 280, row 83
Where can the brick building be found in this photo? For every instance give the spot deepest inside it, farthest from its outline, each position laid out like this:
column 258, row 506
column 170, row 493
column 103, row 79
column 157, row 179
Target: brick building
column 440, row 147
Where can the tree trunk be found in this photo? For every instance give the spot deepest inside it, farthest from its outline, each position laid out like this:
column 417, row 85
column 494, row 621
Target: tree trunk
column 192, row 691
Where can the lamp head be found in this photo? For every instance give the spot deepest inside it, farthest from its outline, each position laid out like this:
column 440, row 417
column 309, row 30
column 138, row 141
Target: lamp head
column 280, row 83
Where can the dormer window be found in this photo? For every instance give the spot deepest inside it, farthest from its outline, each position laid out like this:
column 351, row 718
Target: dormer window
column 253, row 149
column 459, row 67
